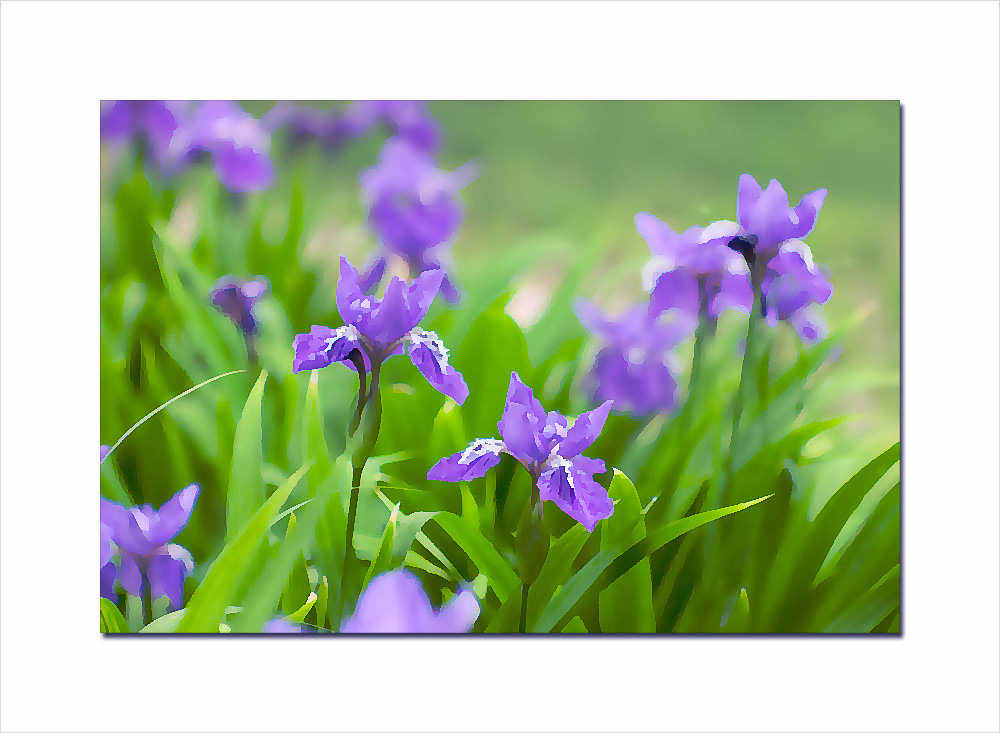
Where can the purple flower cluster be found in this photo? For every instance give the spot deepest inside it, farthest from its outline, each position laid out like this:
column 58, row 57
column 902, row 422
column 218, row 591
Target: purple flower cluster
column 177, row 132
column 377, row 328
column 695, row 275
column 236, row 297
column 406, row 119
column 141, row 537
column 414, row 209
column 396, row 603
column 548, row 447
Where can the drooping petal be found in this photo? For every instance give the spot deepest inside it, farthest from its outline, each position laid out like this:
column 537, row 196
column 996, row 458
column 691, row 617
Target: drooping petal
column 167, row 571
column 429, row 355
column 107, row 548
column 570, row 485
column 129, row 575
column 584, row 431
column 171, row 518
column 676, row 291
column 395, row 602
column 323, row 346
column 474, row 462
column 108, row 572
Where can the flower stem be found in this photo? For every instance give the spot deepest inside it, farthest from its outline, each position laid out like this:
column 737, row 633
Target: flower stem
column 147, row 602
column 522, row 625
column 371, row 415
column 744, row 379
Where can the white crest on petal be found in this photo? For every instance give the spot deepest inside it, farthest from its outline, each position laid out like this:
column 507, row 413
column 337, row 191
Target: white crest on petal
column 478, row 447
column 430, row 339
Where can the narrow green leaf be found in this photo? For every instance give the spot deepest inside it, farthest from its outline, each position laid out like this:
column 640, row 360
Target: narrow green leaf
column 875, row 605
column 502, row 578
column 607, row 566
column 208, row 604
column 322, row 602
column 297, row 586
column 112, row 621
column 575, row 626
column 165, row 624
column 626, row 605
column 246, row 483
column 299, row 615
column 384, row 556
column 508, row 618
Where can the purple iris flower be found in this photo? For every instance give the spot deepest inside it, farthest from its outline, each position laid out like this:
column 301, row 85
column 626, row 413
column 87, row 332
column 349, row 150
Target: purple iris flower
column 176, row 132
column 766, row 220
column 794, row 287
column 548, row 447
column 108, row 568
column 693, row 273
column 141, row 535
column 236, row 297
column 396, row 603
column 104, row 452
column 380, row 328
column 636, row 367
column 414, row 209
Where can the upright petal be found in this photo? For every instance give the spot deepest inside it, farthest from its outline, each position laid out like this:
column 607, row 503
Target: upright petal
column 770, row 219
column 420, row 295
column 471, row 463
column 107, row 548
column 584, row 431
column 658, row 234
column 372, row 276
column 748, row 192
column 807, row 212
column 429, row 355
column 349, row 294
column 522, row 423
column 173, row 515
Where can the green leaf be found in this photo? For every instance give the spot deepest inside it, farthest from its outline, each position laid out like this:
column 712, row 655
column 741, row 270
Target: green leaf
column 557, row 569
column 508, row 618
column 493, row 348
column 246, row 483
column 322, row 602
column 112, row 621
column 609, row 565
column 383, row 560
column 502, row 578
column 626, row 605
column 299, row 615
column 209, row 601
column 575, row 626
column 875, row 605
column 165, row 624
column 297, row 586
column 739, row 616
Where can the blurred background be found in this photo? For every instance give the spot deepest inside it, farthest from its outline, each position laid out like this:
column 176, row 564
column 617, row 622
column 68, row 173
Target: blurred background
column 552, row 208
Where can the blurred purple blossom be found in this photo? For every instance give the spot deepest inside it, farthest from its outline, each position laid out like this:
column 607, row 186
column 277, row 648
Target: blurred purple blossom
column 281, row 625
column 380, row 328
column 406, row 119
column 636, row 366
column 177, row 131
column 141, row 535
column 694, row 273
column 794, row 287
column 396, row 603
column 548, row 447
column 236, row 297
column 414, row 209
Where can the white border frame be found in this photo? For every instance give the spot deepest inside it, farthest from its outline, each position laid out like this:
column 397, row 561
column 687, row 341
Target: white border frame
column 939, row 58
